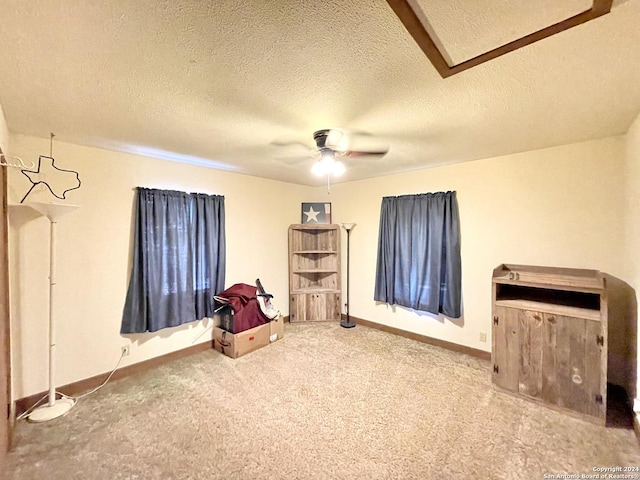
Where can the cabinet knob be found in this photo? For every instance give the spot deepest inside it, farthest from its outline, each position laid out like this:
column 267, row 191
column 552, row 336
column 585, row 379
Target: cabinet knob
column 576, row 377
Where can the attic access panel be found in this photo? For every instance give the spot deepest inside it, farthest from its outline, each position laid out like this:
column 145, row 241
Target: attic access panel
column 415, row 20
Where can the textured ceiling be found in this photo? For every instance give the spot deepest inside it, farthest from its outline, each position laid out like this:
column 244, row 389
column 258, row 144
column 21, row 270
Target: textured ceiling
column 216, row 83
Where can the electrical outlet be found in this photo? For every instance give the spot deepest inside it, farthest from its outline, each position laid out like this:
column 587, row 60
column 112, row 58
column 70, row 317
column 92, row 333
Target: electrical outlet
column 126, row 350
column 483, row 337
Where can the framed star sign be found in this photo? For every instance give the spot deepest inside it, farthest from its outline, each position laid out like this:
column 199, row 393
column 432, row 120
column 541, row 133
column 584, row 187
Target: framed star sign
column 316, row 213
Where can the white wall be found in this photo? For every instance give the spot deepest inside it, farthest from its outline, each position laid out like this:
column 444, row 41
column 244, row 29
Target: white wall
column 632, row 226
column 559, row 207
column 94, row 245
column 4, row 132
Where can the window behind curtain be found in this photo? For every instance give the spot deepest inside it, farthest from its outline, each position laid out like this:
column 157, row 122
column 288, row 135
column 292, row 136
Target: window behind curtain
column 178, row 259
column 419, row 253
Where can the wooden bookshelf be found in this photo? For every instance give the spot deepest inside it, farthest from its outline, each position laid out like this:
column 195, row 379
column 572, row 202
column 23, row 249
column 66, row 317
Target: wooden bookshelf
column 314, row 273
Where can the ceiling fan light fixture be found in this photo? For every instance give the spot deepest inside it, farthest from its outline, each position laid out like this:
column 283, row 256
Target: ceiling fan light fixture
column 318, row 169
column 338, row 168
column 328, row 159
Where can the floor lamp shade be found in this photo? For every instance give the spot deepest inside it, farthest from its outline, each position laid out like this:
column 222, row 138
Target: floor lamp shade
column 53, row 409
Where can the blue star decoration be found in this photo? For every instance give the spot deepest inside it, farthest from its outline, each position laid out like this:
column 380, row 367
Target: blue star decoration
column 57, row 180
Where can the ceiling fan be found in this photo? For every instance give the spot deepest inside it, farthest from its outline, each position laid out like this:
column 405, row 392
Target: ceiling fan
column 333, row 145
column 339, row 141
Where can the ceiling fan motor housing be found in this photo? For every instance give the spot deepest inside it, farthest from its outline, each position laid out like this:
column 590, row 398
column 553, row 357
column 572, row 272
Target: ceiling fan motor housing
column 335, row 141
column 321, row 138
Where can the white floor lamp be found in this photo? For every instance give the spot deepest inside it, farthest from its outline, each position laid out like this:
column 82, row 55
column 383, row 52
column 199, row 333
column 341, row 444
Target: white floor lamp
column 53, row 409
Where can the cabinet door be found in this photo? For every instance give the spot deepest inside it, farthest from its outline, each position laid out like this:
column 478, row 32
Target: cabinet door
column 524, row 353
column 580, row 365
column 505, row 354
column 331, row 309
column 313, row 307
column 296, row 308
column 552, row 358
column 562, row 360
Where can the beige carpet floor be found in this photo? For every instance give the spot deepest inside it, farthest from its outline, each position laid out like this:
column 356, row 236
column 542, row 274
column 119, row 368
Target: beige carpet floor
column 323, row 403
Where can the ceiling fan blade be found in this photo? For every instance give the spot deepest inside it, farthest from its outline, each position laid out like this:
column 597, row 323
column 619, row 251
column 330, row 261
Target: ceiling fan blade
column 292, row 140
column 290, row 151
column 286, row 143
column 293, row 160
column 360, row 153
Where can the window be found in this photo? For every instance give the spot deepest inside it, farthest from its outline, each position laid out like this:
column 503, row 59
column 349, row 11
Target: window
column 178, row 259
column 419, row 253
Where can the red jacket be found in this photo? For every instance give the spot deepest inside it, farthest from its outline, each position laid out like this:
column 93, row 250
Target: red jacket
column 246, row 309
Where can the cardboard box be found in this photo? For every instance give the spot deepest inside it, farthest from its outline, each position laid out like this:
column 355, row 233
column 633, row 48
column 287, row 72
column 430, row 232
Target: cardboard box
column 276, row 329
column 235, row 345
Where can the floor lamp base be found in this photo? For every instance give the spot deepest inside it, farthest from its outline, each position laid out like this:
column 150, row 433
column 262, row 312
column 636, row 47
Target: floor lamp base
column 50, row 412
column 347, row 323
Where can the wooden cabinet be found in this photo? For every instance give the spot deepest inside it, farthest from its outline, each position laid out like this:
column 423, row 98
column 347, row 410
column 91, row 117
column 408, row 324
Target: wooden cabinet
column 314, row 273
column 549, row 337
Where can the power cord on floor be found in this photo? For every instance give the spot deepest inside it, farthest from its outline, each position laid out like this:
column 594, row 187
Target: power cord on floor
column 71, row 397
column 78, row 397
column 27, row 412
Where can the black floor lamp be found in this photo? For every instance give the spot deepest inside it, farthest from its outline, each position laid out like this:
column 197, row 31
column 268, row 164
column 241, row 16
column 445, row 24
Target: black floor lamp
column 347, row 323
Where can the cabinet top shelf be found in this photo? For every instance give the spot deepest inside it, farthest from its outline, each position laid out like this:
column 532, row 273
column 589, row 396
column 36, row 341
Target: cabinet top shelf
column 575, row 279
column 314, row 270
column 564, row 310
column 315, row 290
column 328, row 252
column 314, row 226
